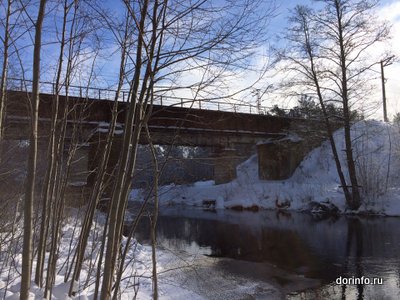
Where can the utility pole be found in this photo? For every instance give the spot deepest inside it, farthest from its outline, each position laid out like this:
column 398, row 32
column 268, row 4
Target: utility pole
column 259, row 93
column 256, row 92
column 386, row 62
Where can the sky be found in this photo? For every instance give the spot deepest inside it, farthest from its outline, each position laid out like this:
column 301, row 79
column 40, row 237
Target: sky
column 388, row 10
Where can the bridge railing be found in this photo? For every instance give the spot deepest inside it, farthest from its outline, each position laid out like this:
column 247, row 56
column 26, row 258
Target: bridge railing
column 212, row 104
column 17, row 84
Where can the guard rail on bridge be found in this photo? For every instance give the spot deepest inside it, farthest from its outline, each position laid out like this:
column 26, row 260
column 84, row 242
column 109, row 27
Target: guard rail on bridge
column 16, row 84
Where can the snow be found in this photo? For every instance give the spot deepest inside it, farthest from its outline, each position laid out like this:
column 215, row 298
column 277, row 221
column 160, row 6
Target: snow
column 291, row 137
column 104, row 127
column 377, row 152
column 181, row 275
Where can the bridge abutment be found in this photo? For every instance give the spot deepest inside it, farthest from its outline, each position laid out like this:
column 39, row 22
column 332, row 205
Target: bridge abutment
column 277, row 160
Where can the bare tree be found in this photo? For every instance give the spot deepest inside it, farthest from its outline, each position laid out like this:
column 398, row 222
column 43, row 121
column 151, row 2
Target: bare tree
column 153, row 219
column 303, row 59
column 172, row 39
column 4, row 72
column 330, row 53
column 99, row 181
column 160, row 42
column 30, row 184
column 50, row 175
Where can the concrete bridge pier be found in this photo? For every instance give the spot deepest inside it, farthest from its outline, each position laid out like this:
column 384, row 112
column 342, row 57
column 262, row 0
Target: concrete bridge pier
column 79, row 171
column 77, row 191
column 225, row 162
column 95, row 153
column 278, row 159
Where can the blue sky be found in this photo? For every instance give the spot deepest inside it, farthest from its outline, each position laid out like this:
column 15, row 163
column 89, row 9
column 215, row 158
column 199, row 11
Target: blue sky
column 109, row 64
column 388, row 10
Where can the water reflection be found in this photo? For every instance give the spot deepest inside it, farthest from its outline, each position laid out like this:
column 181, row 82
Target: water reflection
column 323, row 249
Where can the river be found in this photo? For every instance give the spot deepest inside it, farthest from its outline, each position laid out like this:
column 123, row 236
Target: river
column 302, row 255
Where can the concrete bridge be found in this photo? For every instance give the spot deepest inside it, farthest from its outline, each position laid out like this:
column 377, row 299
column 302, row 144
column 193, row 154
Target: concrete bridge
column 232, row 135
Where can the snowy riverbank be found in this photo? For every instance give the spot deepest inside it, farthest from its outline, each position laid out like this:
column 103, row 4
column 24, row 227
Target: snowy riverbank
column 181, row 275
column 377, row 149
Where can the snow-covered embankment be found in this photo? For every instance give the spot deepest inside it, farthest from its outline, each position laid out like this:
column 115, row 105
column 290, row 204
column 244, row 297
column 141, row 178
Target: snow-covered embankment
column 377, row 152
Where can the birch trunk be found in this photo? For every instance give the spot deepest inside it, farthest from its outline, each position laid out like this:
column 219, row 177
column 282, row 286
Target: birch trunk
column 27, row 251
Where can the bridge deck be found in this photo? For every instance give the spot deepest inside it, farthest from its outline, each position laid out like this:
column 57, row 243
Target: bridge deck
column 168, row 124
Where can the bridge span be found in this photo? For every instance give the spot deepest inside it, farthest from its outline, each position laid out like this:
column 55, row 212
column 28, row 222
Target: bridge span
column 168, row 124
column 232, row 135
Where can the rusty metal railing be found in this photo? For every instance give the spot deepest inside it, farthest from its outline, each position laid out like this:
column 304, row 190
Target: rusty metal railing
column 17, row 84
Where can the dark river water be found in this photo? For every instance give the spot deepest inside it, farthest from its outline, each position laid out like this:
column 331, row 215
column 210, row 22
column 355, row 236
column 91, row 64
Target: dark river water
column 322, row 249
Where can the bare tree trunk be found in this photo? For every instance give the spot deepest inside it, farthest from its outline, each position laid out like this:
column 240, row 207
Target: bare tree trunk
column 50, row 173
column 153, row 220
column 128, row 153
column 99, row 263
column 78, row 114
column 342, row 32
column 335, row 153
column 355, row 199
column 31, row 177
column 137, row 117
column 313, row 74
column 4, row 72
column 100, row 174
column 57, row 216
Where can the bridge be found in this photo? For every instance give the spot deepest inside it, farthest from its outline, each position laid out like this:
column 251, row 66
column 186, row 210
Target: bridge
column 168, row 124
column 232, row 135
